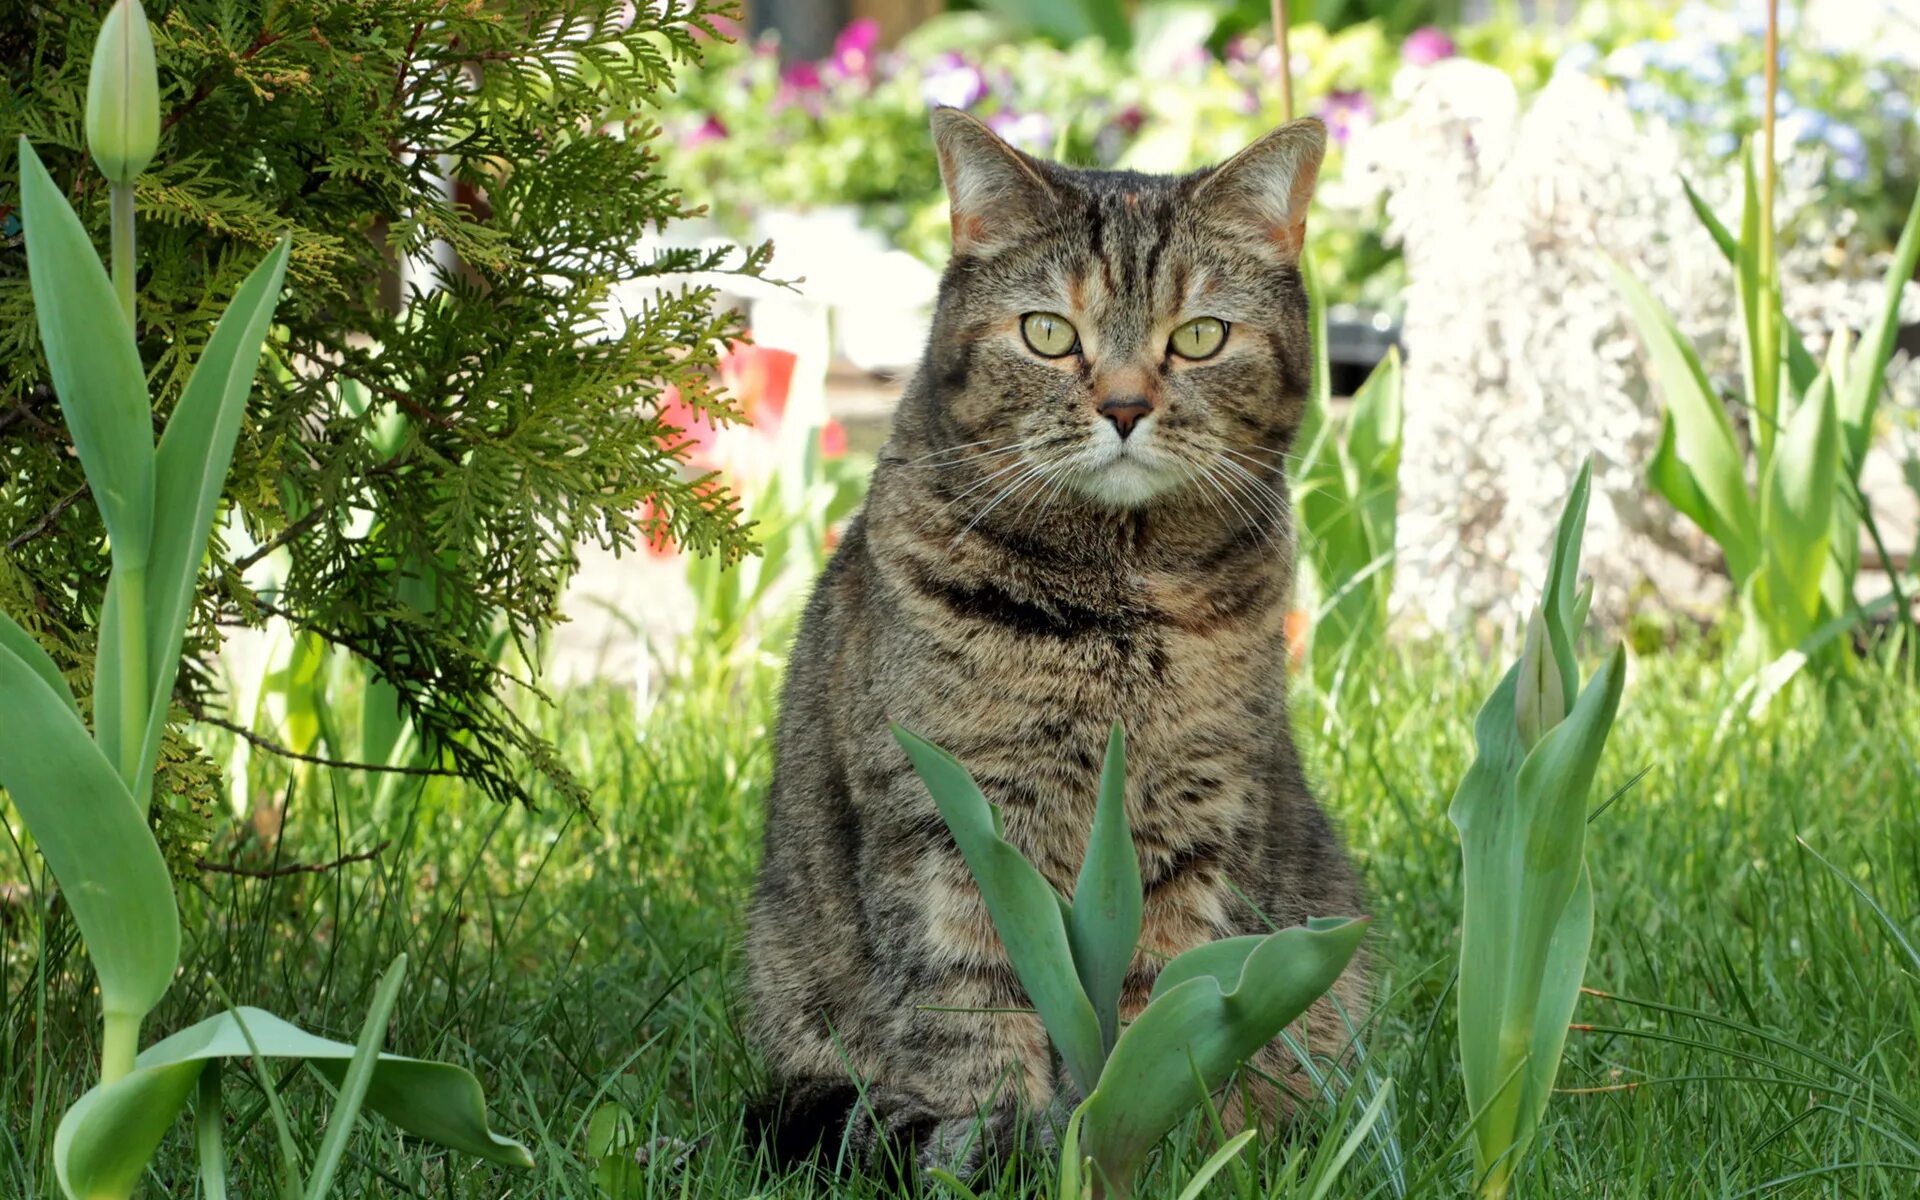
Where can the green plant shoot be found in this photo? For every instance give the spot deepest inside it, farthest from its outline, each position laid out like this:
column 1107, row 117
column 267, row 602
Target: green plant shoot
column 1211, row 1009
column 1521, row 812
column 84, row 795
column 1789, row 526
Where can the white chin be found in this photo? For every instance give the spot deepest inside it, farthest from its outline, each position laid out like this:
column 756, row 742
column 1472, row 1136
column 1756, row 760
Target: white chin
column 1123, row 483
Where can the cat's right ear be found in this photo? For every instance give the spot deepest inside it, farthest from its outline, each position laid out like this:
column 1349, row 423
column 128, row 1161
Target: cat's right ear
column 994, row 192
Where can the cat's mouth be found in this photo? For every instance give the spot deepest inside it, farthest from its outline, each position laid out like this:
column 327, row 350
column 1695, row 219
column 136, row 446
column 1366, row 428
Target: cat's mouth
column 1125, row 474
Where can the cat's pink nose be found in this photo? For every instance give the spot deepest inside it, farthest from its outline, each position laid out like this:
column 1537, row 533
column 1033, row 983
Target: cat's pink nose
column 1125, row 412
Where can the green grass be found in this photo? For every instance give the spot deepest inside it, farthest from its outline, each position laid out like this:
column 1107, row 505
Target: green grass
column 574, row 961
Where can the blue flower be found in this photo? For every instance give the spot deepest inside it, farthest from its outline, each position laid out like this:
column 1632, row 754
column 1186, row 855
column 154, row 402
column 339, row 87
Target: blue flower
column 1578, row 58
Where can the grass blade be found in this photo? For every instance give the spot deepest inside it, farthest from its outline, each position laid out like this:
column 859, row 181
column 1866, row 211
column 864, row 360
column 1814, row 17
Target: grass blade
column 1216, row 1163
column 355, row 1082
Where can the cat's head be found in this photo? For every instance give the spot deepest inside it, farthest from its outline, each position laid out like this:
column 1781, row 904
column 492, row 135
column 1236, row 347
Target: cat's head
column 1118, row 335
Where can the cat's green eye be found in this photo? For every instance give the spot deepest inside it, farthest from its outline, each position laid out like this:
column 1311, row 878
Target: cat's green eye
column 1201, row 337
column 1049, row 335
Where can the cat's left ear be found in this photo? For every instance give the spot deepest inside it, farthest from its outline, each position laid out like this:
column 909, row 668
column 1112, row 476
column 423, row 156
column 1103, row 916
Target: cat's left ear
column 1265, row 188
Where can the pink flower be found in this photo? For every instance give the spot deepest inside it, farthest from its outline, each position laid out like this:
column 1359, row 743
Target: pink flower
column 1427, row 45
column 853, row 49
column 710, row 130
column 801, row 77
column 800, row 84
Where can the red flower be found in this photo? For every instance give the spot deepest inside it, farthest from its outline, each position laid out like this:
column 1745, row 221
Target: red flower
column 759, row 379
column 833, row 440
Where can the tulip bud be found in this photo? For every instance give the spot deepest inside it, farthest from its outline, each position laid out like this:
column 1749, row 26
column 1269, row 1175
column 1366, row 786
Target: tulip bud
column 123, row 95
column 1539, row 698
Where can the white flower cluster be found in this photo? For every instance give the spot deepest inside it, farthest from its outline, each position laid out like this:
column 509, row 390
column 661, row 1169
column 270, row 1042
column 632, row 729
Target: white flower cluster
column 1521, row 358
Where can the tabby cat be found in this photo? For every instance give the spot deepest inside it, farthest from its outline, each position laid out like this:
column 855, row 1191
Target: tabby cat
column 1082, row 515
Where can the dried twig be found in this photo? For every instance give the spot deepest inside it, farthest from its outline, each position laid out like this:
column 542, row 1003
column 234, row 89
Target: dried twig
column 46, row 522
column 292, row 868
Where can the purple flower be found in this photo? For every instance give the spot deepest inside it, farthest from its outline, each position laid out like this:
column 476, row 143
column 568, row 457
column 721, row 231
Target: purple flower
column 710, row 130
column 1241, row 49
column 1427, row 45
column 952, row 82
column 1346, row 113
column 1031, row 132
column 853, row 49
column 1130, row 119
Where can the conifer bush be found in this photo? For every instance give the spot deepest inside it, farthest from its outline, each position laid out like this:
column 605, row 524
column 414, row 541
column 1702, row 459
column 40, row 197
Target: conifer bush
column 525, row 401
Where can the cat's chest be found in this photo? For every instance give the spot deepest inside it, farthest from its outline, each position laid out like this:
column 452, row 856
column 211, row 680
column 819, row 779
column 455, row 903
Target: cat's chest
column 1024, row 691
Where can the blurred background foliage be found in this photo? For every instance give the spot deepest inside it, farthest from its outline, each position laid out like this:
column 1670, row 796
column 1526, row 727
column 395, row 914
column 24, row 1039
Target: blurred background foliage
column 1179, row 84
column 463, row 385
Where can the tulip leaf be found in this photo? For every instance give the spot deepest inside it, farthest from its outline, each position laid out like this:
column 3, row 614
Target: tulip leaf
column 1223, row 960
column 93, row 361
column 209, row 1134
column 1857, row 401
column 1025, row 909
column 102, row 855
column 190, row 474
column 108, row 1136
column 1697, row 442
column 1347, row 494
column 37, row 660
column 1796, row 520
column 1563, row 584
column 1192, row 1037
column 1758, row 288
column 1801, row 366
column 1103, row 926
column 1216, row 1162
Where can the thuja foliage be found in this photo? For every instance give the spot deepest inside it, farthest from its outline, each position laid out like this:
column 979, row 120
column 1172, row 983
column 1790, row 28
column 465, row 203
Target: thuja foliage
column 426, row 445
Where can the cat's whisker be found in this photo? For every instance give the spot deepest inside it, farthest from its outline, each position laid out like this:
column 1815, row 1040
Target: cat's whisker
column 1032, row 474
column 1192, row 474
column 1263, row 496
column 1274, row 494
column 934, row 459
column 975, row 486
column 1059, row 471
column 1286, row 458
column 1232, row 496
column 1281, row 459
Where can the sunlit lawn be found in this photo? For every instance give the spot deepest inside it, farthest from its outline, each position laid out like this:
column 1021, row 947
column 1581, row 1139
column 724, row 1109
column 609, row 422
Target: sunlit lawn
column 579, row 960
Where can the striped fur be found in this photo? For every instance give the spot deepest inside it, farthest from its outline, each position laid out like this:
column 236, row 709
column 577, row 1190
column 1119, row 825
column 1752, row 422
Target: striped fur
column 1018, row 579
